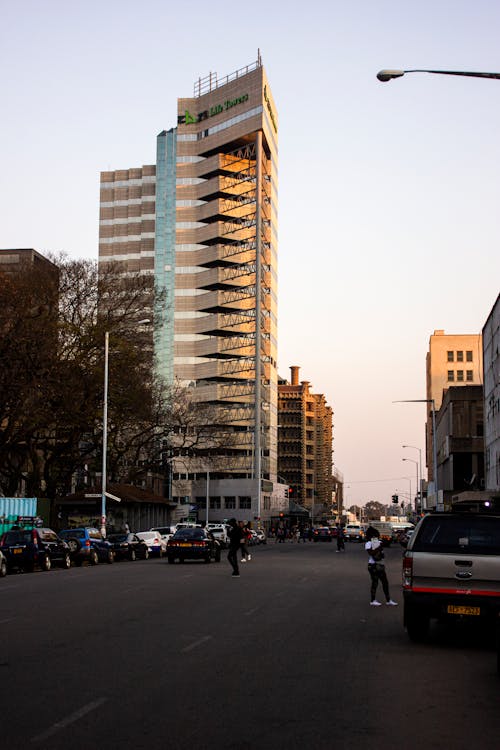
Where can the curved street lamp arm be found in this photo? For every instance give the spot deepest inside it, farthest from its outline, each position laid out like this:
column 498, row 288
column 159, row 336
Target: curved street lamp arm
column 388, row 75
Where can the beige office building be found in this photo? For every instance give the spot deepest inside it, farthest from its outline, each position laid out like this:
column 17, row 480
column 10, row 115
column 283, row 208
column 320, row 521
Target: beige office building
column 452, row 360
column 202, row 222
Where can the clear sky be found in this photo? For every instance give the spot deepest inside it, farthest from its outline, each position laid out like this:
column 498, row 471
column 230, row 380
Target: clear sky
column 389, row 193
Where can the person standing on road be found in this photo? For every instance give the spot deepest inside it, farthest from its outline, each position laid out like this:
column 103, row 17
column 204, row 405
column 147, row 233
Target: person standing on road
column 235, row 537
column 245, row 540
column 340, row 538
column 376, row 568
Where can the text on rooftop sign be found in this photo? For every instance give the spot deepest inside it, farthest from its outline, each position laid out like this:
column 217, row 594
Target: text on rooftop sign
column 188, row 119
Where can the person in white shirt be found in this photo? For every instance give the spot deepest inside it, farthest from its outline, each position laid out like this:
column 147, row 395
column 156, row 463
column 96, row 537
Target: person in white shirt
column 376, row 567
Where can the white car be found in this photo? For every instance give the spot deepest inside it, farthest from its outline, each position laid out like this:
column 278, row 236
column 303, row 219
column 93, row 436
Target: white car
column 219, row 531
column 156, row 544
column 354, row 532
column 165, row 532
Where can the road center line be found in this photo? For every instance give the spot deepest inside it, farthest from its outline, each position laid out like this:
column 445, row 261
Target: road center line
column 196, row 644
column 251, row 611
column 83, row 711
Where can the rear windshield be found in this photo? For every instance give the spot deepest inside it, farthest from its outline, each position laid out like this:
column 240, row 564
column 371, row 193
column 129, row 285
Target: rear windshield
column 189, row 534
column 458, row 535
column 72, row 534
column 17, row 537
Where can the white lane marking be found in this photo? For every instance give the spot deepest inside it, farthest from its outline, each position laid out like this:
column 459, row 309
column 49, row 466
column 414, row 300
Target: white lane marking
column 251, row 611
column 188, row 575
column 197, row 643
column 83, row 711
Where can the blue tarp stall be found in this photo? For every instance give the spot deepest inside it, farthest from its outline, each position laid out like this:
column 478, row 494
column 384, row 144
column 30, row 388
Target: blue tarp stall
column 13, row 508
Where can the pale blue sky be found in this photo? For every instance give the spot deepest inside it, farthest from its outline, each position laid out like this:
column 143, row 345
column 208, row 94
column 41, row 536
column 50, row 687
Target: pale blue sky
column 389, row 220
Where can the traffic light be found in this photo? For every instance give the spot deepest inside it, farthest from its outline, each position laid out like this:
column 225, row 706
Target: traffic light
column 395, row 499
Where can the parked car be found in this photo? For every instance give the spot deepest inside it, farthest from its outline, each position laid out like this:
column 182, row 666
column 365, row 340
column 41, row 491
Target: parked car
column 3, row 565
column 128, row 546
column 157, row 546
column 24, row 549
column 164, row 531
column 261, row 536
column 193, row 544
column 87, row 544
column 451, row 571
column 322, row 534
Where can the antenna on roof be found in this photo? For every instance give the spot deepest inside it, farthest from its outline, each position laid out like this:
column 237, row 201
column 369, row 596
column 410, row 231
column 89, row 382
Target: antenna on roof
column 259, row 58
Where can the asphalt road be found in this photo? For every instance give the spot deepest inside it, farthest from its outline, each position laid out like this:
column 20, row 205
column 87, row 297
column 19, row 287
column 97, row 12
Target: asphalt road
column 289, row 655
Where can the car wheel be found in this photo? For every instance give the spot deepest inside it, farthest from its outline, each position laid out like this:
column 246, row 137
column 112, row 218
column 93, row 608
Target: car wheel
column 132, row 555
column 110, row 558
column 146, row 555
column 66, row 563
column 3, row 569
column 74, row 545
column 417, row 626
column 171, row 559
column 45, row 563
column 93, row 557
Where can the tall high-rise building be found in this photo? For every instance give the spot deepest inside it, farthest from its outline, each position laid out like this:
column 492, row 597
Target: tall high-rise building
column 452, row 360
column 202, row 222
column 305, row 442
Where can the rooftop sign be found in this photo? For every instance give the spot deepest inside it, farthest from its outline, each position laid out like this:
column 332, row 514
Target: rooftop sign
column 188, row 119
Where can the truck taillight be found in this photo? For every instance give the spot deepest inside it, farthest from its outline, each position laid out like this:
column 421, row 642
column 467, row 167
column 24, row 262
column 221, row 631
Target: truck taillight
column 407, row 572
column 34, row 538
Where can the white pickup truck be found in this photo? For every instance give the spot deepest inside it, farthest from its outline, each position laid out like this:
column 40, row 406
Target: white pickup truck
column 354, row 532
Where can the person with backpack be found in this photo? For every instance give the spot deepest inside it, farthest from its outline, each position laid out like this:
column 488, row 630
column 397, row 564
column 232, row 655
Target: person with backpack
column 376, row 568
column 235, row 538
column 245, row 540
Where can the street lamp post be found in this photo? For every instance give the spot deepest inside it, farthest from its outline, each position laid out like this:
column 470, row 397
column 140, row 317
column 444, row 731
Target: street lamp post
column 104, row 493
column 416, row 464
column 434, row 442
column 388, row 75
column 419, row 486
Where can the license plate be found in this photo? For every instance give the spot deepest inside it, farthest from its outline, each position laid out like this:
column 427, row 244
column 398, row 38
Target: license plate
column 17, row 550
column 461, row 610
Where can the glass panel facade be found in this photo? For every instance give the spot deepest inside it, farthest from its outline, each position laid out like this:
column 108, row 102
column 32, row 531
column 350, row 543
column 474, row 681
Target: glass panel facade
column 166, row 150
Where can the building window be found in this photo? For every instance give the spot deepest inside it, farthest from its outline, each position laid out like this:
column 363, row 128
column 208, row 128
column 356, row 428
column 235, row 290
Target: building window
column 470, row 376
column 450, row 356
column 460, row 375
column 460, row 356
column 215, row 503
column 245, row 503
column 451, row 375
column 230, row 503
column 468, row 356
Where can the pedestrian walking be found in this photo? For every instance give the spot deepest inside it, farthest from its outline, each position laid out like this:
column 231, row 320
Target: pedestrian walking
column 235, row 537
column 376, row 568
column 340, row 538
column 245, row 540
